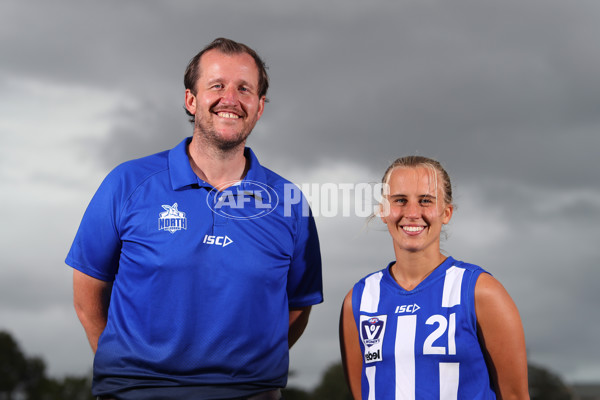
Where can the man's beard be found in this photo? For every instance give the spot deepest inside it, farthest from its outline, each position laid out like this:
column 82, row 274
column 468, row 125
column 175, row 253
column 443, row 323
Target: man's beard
column 213, row 138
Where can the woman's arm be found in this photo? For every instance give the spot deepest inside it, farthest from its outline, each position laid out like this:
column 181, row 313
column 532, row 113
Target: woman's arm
column 352, row 357
column 502, row 336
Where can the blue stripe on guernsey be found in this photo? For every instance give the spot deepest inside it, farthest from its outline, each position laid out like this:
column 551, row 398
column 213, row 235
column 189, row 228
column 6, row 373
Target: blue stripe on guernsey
column 421, row 344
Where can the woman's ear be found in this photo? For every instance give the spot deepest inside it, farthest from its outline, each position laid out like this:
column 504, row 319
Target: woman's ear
column 448, row 210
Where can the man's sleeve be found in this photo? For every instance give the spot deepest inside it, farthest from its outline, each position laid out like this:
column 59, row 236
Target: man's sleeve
column 96, row 248
column 305, row 281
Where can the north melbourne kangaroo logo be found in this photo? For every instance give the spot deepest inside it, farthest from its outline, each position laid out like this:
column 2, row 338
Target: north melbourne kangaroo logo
column 171, row 220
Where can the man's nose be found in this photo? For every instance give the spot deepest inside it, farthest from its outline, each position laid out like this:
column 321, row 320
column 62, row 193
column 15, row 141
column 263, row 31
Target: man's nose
column 229, row 95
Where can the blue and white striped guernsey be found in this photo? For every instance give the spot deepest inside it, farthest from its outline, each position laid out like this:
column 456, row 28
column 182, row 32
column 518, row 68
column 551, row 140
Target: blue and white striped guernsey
column 421, row 344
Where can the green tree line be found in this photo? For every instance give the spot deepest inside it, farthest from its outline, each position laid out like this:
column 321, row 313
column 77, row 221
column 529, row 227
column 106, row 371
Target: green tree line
column 25, row 378
column 543, row 385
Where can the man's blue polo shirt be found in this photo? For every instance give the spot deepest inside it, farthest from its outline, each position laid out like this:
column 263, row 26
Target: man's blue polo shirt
column 203, row 280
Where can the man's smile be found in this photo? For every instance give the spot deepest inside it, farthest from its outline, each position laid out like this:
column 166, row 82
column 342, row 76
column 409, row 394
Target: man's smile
column 228, row 115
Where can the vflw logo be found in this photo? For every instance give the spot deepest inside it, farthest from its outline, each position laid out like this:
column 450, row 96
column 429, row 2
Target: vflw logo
column 171, row 220
column 218, row 240
column 372, row 331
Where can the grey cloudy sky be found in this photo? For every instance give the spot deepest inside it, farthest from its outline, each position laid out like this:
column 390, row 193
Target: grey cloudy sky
column 505, row 93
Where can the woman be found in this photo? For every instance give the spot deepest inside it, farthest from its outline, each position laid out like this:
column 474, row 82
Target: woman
column 429, row 326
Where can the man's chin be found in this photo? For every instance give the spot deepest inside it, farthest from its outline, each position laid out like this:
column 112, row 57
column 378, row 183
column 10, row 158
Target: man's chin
column 225, row 143
column 228, row 146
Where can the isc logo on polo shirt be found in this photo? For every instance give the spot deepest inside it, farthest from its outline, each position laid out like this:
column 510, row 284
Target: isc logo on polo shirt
column 217, row 240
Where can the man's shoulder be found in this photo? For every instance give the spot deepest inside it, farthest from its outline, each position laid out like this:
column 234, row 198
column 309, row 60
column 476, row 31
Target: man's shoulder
column 134, row 171
column 264, row 174
column 274, row 178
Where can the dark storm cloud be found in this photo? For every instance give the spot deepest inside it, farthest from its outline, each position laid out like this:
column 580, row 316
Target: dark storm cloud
column 502, row 89
column 495, row 88
column 139, row 130
column 544, row 255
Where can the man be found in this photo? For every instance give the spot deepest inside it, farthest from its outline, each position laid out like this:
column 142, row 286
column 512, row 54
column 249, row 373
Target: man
column 195, row 269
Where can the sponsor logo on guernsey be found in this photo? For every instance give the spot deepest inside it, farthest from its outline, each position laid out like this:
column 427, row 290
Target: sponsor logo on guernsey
column 217, row 240
column 171, row 220
column 242, row 200
column 407, row 308
column 372, row 331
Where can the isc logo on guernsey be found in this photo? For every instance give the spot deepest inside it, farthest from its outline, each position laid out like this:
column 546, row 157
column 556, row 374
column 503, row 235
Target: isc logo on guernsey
column 410, row 308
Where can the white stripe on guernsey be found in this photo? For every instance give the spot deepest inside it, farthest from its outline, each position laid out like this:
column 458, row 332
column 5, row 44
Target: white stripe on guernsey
column 449, row 373
column 405, row 357
column 452, row 286
column 370, row 372
column 452, row 334
column 370, row 295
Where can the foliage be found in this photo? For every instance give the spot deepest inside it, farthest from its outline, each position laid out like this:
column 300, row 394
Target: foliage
column 333, row 385
column 295, row 394
column 25, row 378
column 13, row 365
column 545, row 385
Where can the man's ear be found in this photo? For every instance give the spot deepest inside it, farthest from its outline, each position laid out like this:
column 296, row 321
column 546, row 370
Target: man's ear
column 261, row 106
column 190, row 101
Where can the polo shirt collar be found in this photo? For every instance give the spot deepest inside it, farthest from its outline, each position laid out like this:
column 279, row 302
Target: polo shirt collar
column 256, row 172
column 182, row 175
